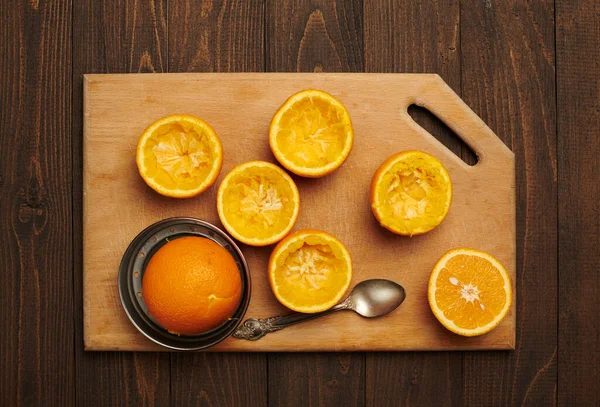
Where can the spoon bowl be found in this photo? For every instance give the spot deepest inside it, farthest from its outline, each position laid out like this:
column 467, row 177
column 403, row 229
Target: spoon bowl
column 375, row 298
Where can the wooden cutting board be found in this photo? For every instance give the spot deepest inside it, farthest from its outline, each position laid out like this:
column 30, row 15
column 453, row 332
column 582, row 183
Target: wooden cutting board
column 118, row 204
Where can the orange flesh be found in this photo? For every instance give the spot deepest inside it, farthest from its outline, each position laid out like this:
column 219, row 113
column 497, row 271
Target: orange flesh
column 470, row 291
column 257, row 202
column 414, row 195
column 311, row 133
column 311, row 272
column 179, row 156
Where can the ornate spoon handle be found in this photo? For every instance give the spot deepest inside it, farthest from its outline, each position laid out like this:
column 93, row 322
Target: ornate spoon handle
column 253, row 328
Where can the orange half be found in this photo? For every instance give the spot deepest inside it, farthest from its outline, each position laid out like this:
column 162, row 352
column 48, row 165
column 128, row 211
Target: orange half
column 309, row 271
column 469, row 291
column 258, row 203
column 311, row 133
column 179, row 156
column 411, row 193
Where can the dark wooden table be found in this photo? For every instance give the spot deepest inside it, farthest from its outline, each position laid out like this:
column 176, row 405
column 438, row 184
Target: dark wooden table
column 529, row 68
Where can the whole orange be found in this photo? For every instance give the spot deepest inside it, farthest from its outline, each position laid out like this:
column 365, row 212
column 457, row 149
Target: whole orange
column 191, row 285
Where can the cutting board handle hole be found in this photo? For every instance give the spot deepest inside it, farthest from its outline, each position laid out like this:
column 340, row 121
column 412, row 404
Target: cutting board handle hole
column 438, row 129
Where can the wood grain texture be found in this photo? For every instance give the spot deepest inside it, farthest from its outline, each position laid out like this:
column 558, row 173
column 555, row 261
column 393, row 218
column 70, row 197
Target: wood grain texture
column 508, row 78
column 327, row 379
column 123, row 379
column 483, row 198
column 398, row 38
column 217, row 379
column 314, row 36
column 414, row 379
column 217, row 36
column 127, row 36
column 578, row 75
column 36, row 294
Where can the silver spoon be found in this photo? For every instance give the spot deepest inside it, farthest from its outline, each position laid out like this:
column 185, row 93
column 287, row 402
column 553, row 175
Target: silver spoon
column 369, row 298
